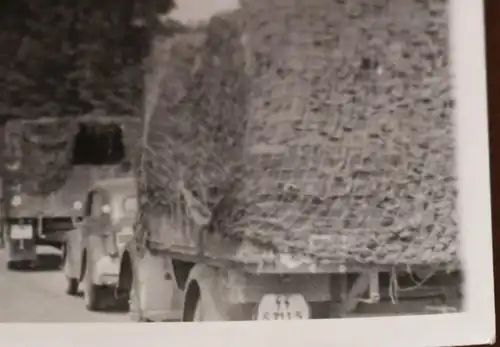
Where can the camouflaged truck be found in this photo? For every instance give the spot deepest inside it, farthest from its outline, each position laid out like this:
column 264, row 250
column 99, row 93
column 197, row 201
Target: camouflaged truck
column 48, row 166
column 273, row 195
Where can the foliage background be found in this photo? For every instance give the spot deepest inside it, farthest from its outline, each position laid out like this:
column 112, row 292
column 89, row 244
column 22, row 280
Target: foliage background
column 67, row 57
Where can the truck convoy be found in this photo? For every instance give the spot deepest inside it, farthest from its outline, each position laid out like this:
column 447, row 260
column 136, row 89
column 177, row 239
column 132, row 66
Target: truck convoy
column 297, row 162
column 95, row 248
column 49, row 164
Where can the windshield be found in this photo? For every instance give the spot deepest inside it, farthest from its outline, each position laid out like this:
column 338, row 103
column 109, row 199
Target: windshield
column 98, row 144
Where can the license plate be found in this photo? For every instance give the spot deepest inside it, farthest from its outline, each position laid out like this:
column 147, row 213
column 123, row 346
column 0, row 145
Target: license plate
column 283, row 307
column 21, row 232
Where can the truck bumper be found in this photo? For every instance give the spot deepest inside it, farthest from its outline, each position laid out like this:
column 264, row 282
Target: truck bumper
column 417, row 307
column 334, row 296
column 21, row 250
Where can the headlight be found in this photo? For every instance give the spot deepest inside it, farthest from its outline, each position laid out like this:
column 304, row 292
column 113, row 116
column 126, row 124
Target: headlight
column 16, row 201
column 77, row 205
column 106, row 209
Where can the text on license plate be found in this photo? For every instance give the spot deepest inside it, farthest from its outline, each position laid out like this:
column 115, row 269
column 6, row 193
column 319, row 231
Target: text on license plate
column 283, row 307
column 20, row 232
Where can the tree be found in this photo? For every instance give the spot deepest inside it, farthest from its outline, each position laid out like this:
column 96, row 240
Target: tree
column 69, row 57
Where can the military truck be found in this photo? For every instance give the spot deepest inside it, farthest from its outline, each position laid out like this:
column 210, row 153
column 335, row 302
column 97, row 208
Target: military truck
column 95, row 248
column 298, row 162
column 49, row 164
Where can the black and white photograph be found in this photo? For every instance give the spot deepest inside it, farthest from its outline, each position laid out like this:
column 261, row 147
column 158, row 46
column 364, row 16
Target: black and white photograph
column 173, row 161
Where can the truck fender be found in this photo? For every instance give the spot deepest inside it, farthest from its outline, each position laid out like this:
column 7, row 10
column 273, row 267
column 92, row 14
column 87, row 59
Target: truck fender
column 205, row 282
column 126, row 273
column 155, row 295
column 83, row 265
column 83, row 250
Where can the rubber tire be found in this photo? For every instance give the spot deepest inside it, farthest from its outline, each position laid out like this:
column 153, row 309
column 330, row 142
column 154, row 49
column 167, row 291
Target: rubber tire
column 64, row 256
column 203, row 313
column 95, row 297
column 18, row 265
column 12, row 265
column 72, row 286
column 198, row 312
column 206, row 312
column 122, row 300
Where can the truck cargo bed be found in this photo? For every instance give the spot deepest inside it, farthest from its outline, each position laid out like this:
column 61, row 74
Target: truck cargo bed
column 282, row 266
column 193, row 245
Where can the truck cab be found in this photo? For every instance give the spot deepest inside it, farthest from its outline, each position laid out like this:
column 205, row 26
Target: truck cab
column 33, row 215
column 94, row 249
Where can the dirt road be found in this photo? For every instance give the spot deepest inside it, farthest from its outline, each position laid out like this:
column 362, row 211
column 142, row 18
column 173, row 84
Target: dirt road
column 38, row 296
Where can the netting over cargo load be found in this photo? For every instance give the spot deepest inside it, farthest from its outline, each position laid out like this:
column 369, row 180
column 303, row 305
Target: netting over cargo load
column 320, row 127
column 41, row 154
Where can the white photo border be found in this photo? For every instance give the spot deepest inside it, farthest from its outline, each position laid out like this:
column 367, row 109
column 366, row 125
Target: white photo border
column 476, row 325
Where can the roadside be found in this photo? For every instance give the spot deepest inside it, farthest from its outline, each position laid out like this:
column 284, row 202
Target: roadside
column 38, row 295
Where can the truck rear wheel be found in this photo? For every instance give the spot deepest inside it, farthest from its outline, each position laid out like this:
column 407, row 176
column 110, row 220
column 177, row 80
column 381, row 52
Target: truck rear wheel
column 203, row 309
column 205, row 312
column 198, row 315
column 204, row 301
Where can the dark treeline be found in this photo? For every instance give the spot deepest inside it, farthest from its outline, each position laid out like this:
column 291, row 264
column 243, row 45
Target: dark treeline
column 67, row 57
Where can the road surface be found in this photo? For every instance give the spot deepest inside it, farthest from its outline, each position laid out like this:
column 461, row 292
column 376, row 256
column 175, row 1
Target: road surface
column 38, row 296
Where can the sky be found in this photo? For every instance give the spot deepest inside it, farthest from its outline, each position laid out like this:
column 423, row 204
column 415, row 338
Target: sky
column 192, row 11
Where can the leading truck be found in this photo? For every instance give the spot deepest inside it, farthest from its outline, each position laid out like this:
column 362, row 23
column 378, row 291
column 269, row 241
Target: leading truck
column 366, row 237
column 49, row 164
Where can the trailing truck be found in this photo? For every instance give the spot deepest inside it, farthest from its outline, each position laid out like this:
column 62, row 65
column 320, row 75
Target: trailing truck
column 95, row 248
column 49, row 164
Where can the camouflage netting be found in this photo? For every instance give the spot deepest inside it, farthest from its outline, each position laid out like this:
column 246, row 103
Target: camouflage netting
column 39, row 153
column 184, row 121
column 336, row 143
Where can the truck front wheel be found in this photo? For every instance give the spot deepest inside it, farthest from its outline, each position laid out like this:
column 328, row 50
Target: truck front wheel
column 18, row 264
column 200, row 308
column 198, row 315
column 94, row 295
